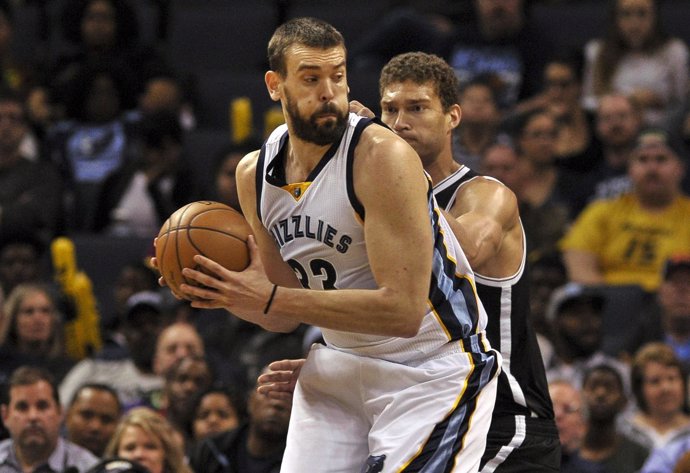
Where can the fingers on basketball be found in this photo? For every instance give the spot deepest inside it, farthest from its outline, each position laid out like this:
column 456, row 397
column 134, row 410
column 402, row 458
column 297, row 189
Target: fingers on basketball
column 207, row 228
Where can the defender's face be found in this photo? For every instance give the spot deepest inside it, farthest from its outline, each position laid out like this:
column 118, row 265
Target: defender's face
column 314, row 93
column 415, row 113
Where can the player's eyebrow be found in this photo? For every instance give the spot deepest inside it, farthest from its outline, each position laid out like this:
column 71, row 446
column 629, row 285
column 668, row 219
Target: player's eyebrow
column 303, row 67
column 406, row 101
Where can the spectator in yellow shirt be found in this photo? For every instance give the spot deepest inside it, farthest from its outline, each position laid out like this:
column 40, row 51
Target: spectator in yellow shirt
column 627, row 239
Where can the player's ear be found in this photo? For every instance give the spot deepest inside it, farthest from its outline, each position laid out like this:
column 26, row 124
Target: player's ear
column 454, row 115
column 272, row 82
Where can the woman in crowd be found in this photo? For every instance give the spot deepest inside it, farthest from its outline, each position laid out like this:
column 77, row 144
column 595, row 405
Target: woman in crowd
column 146, row 437
column 31, row 331
column 639, row 59
column 660, row 391
column 217, row 409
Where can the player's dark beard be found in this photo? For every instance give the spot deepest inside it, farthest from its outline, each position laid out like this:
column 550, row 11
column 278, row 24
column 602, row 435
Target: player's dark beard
column 309, row 130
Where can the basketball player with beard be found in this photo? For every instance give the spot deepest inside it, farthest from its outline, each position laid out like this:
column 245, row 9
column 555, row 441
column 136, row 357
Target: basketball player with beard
column 348, row 237
column 419, row 102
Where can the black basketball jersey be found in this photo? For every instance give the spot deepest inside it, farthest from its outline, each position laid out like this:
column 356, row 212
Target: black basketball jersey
column 522, row 385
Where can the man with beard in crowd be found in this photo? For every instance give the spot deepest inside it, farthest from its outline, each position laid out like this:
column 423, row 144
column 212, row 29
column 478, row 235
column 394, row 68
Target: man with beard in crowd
column 627, row 240
column 33, row 416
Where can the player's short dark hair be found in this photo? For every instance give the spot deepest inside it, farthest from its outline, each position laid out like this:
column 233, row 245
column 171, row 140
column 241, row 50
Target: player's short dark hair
column 310, row 32
column 422, row 68
column 27, row 375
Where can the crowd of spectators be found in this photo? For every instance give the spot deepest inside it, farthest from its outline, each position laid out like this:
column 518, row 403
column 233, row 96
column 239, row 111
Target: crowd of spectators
column 594, row 142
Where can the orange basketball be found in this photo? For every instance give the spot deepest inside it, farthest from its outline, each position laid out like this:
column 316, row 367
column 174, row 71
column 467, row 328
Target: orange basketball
column 206, row 228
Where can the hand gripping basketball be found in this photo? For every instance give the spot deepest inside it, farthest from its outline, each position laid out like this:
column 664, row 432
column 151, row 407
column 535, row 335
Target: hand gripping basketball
column 206, row 228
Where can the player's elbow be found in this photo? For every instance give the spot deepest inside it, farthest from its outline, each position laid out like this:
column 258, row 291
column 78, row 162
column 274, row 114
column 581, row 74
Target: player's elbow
column 403, row 327
column 408, row 318
column 409, row 330
column 276, row 324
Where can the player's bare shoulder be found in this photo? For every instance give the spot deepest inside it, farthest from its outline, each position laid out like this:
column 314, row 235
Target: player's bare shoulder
column 247, row 165
column 245, row 177
column 487, row 192
column 487, row 184
column 380, row 149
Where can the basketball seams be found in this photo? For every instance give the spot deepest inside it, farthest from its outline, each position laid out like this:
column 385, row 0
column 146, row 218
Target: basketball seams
column 180, row 266
column 183, row 235
column 213, row 230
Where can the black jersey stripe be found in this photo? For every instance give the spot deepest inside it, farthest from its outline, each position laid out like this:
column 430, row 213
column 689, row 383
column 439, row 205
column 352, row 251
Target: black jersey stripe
column 354, row 201
column 259, row 179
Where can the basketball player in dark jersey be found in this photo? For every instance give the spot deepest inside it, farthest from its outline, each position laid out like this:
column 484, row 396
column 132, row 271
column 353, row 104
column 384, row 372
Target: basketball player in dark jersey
column 419, row 102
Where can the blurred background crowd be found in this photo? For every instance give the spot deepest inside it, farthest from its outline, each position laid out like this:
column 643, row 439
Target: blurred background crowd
column 114, row 113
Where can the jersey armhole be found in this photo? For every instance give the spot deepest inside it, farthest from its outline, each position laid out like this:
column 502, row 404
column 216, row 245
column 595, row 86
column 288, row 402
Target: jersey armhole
column 354, row 201
column 259, row 179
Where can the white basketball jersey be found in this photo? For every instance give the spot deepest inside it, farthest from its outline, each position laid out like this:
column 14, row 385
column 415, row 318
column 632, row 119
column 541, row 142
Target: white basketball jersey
column 318, row 226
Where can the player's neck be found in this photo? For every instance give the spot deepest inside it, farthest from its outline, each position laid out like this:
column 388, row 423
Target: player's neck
column 443, row 166
column 301, row 158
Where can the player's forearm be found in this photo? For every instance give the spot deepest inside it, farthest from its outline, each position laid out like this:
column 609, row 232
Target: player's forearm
column 382, row 311
column 271, row 324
